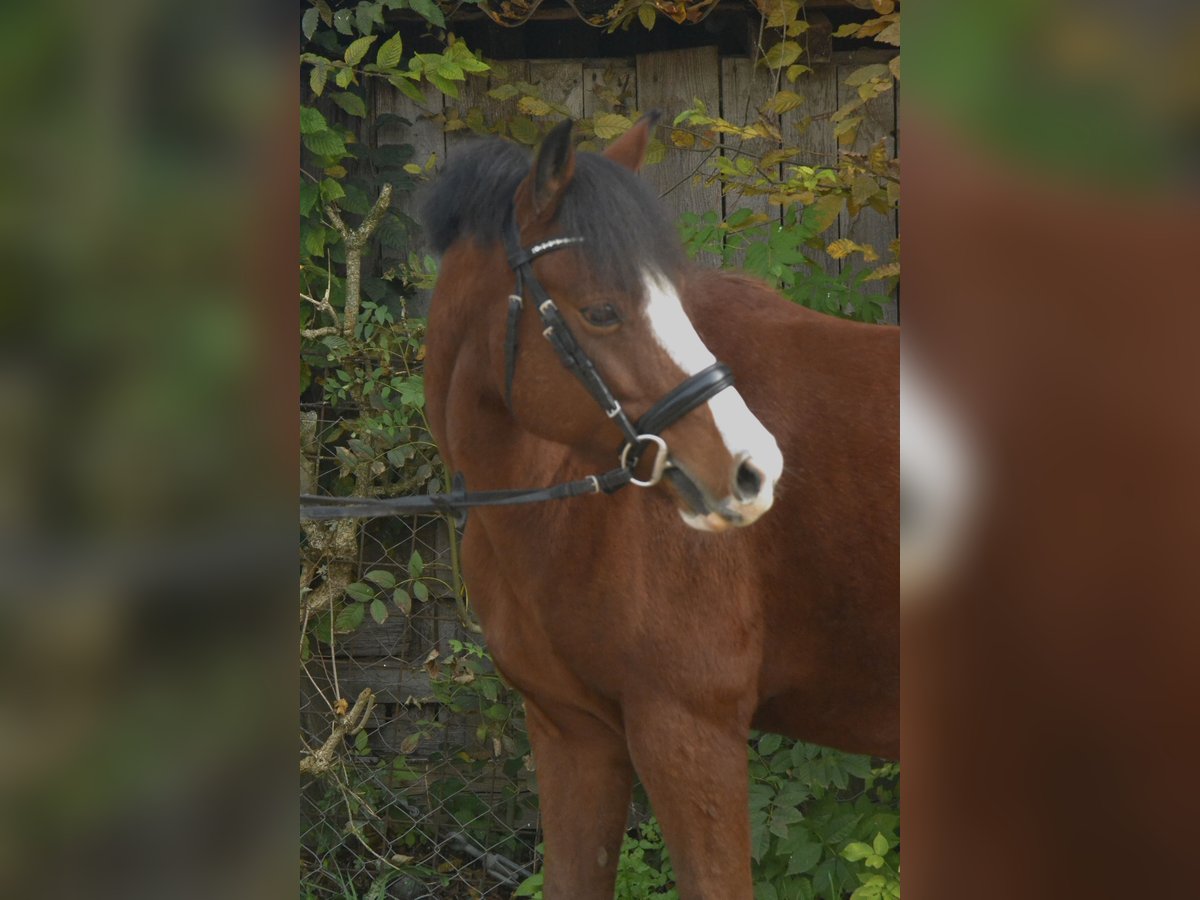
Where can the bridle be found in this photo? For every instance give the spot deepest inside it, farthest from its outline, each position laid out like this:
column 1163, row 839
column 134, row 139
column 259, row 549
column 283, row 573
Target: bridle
column 691, row 393
column 694, row 391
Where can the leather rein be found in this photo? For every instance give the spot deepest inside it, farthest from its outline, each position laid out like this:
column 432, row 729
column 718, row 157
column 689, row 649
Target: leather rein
column 694, row 391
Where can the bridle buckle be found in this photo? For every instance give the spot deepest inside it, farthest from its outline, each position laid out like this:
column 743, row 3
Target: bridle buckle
column 661, row 459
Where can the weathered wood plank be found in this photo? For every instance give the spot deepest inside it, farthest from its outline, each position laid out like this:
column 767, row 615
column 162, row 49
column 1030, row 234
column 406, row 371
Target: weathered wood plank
column 670, row 81
column 473, row 94
column 560, row 81
column 617, row 77
column 871, row 227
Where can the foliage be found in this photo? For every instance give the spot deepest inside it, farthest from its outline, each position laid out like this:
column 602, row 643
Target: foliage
column 643, row 871
column 787, row 255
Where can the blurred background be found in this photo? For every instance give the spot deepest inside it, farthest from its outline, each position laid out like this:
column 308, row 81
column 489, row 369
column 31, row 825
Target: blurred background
column 147, row 495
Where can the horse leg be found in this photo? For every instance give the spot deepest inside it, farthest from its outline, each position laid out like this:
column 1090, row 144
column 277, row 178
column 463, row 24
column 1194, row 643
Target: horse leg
column 694, row 769
column 584, row 782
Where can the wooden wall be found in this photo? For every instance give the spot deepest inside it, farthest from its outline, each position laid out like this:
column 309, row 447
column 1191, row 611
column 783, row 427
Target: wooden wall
column 669, row 80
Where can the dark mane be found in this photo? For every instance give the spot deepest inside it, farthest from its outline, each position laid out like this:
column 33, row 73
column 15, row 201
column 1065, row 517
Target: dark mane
column 623, row 223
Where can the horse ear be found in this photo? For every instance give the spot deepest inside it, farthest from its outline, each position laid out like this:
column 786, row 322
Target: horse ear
column 629, row 150
column 553, row 168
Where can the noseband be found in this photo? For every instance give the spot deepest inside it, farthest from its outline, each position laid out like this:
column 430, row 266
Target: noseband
column 694, row 391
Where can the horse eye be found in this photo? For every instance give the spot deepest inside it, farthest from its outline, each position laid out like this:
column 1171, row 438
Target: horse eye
column 601, row 316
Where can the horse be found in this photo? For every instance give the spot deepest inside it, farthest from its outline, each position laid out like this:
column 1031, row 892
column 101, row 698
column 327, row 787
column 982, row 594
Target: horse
column 750, row 580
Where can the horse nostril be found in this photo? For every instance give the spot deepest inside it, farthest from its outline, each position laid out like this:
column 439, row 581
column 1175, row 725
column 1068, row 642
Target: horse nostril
column 747, row 480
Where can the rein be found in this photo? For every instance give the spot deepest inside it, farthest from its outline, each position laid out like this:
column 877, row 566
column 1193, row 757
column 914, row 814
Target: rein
column 694, row 391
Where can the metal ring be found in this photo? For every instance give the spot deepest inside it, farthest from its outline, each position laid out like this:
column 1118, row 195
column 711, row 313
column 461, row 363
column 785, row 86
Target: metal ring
column 660, row 460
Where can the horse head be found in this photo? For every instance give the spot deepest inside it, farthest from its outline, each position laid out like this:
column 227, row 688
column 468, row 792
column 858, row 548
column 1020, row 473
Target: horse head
column 583, row 232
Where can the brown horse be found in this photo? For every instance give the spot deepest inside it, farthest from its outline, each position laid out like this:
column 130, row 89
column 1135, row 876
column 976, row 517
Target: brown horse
column 640, row 643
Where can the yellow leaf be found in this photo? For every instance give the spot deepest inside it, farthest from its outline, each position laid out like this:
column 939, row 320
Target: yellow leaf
column 785, row 101
column 883, row 7
column 863, row 189
column 610, row 126
column 336, row 171
column 842, row 248
column 877, row 159
column 846, row 130
column 780, row 13
column 533, row 106
column 894, row 66
column 847, row 30
column 890, row 35
column 782, row 54
column 796, row 71
column 412, row 168
column 655, row 151
column 887, row 270
column 863, row 74
column 684, row 139
column 647, row 14
column 826, row 210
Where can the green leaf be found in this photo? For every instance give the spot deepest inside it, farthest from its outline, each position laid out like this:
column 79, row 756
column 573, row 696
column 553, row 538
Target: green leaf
column 358, row 49
column 803, row 856
column 390, row 52
column 312, row 121
column 497, row 712
column 523, row 129
column 317, row 77
column 382, row 577
column 402, row 600
column 769, row 743
column 308, row 22
column 416, row 565
column 407, row 87
column 531, row 886
column 856, row 850
column 420, row 591
column 341, row 21
column 314, row 241
column 350, row 617
column 881, row 845
column 764, row 890
column 331, row 190
column 351, row 103
column 364, row 18
column 360, row 591
column 308, row 196
column 325, row 143
column 647, row 14
column 379, row 611
column 429, row 10
column 445, row 85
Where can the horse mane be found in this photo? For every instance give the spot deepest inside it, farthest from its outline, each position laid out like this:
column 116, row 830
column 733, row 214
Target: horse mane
column 623, row 224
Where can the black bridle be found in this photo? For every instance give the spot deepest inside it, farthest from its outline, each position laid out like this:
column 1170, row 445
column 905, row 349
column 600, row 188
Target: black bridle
column 694, row 391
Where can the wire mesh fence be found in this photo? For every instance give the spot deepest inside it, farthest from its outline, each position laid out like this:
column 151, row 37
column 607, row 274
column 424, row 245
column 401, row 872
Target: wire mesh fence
column 417, row 780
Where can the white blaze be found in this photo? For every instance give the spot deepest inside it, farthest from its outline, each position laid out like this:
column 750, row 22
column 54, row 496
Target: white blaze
column 740, row 429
